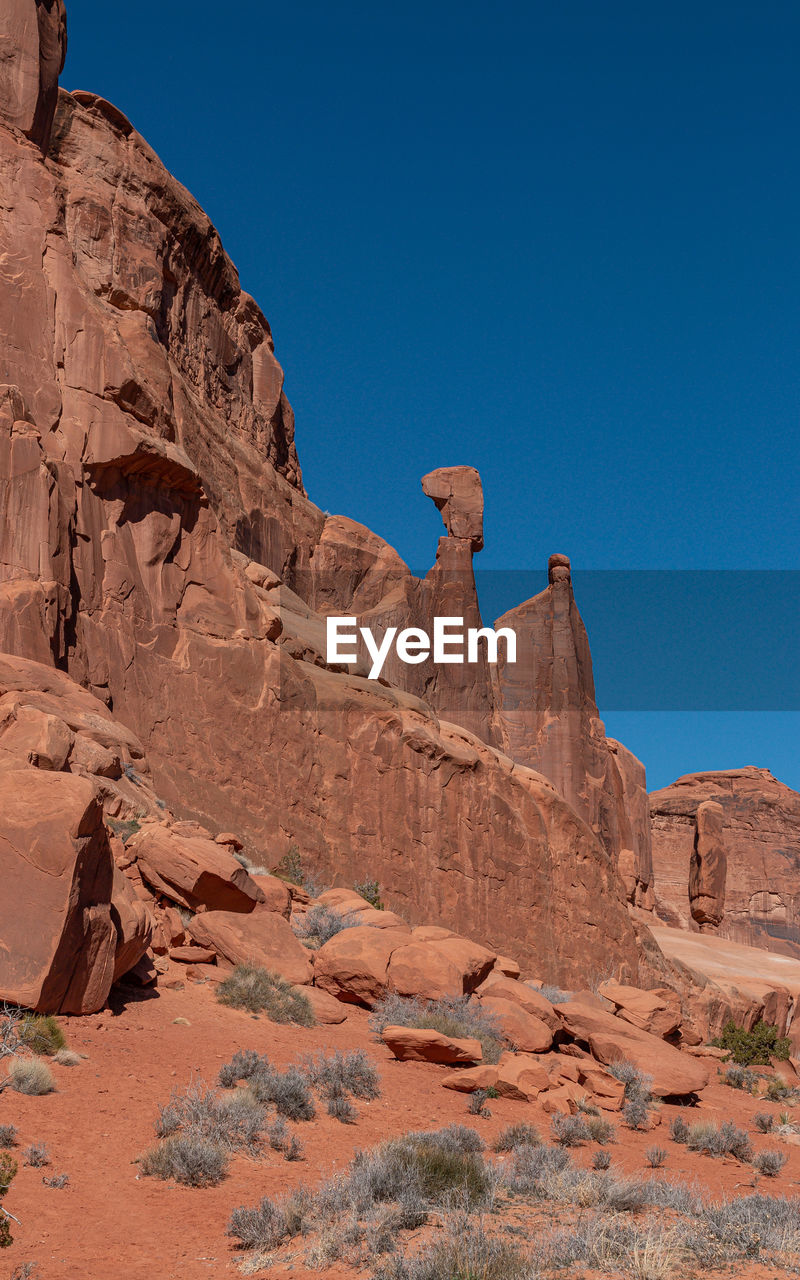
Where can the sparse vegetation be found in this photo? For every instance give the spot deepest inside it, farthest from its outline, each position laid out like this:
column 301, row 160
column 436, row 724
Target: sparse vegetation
column 554, row 994
column 290, row 867
column 42, row 1035
column 36, row 1155
column 30, row 1076
column 778, row 1090
column 124, row 828
column 8, row 1136
column 259, row 991
column 67, row 1058
column 8, row 1171
column 287, row 1091
column 188, row 1159
column 320, row 924
column 454, row 1017
column 764, row 1122
column 679, row 1130
column 635, row 1112
column 370, row 891
column 741, row 1078
column 769, row 1163
column 601, row 1160
column 477, row 1103
column 517, row 1135
column 720, row 1140
column 569, row 1131
column 57, row 1181
column 341, row 1109
column 338, row 1074
column 655, row 1157
column 753, row 1048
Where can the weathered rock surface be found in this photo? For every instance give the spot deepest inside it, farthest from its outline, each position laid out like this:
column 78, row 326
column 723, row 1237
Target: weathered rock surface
column 193, row 871
column 761, row 838
column 159, row 546
column 708, row 867
column 57, row 936
column 549, row 721
column 524, row 1030
column 258, row 937
column 610, row 1039
column 648, row 1010
column 412, row 1044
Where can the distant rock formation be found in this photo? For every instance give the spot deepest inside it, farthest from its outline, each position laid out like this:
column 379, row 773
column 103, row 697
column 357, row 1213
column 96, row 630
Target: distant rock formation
column 33, row 48
column 759, row 888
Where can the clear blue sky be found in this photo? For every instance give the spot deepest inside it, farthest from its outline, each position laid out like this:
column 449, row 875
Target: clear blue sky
column 557, row 242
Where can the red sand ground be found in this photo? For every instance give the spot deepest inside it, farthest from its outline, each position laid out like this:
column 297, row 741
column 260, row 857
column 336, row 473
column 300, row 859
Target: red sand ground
column 111, row 1224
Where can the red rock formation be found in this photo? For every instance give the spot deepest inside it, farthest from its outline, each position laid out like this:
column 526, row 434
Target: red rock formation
column 159, row 547
column 550, row 722
column 708, row 867
column 760, row 891
column 33, row 47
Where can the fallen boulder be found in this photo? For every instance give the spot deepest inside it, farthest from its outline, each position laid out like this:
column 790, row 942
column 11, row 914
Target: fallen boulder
column 644, row 1009
column 522, row 1029
column 58, row 940
column 415, row 1044
column 673, row 1074
column 497, row 986
column 193, row 870
column 258, row 937
column 353, row 964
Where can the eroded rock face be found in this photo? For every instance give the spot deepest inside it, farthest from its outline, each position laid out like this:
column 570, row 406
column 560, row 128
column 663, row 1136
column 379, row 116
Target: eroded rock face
column 549, row 721
column 759, row 889
column 162, row 551
column 33, row 48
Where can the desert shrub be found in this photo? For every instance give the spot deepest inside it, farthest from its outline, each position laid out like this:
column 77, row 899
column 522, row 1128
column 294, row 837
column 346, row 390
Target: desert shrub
column 601, row 1130
column 752, row 1048
column 66, row 1058
column 30, row 1076
column 57, row 1181
column 747, row 1227
column 517, row 1135
column 741, row 1078
column 244, row 1064
column 777, row 1090
column 8, row 1171
column 278, row 1133
column 467, row 1252
column 649, row 1251
column 322, row 923
column 635, row 1112
column 42, row 1035
column 125, row 828
column 569, row 1131
column 722, row 1140
column 769, row 1163
column 188, row 1159
column 288, row 1091
column 554, row 994
column 679, row 1130
column 601, row 1160
column 36, row 1155
column 637, row 1084
column 259, row 991
column 264, row 1227
column 454, row 1016
column 763, row 1122
column 293, row 1148
column 655, row 1157
column 477, row 1103
column 230, row 1122
column 370, row 891
column 8, row 1136
column 338, row 1074
column 290, row 867
column 341, row 1109
column 454, row 1137
column 533, row 1169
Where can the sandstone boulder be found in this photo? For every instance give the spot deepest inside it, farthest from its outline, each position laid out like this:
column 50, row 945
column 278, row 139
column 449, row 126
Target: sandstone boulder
column 673, row 1074
column 258, row 937
column 133, row 922
column 413, row 1044
column 327, row 1010
column 193, row 871
column 524, row 1030
column 57, row 936
column 470, row 1079
column 521, row 1076
column 276, row 894
column 353, row 964
column 498, row 986
column 644, row 1009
